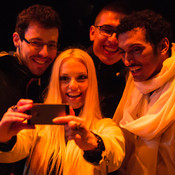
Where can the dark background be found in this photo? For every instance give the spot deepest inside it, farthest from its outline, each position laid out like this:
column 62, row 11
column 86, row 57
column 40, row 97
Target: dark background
column 76, row 16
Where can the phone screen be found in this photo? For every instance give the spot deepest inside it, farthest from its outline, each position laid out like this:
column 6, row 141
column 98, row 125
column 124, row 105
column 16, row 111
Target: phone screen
column 45, row 113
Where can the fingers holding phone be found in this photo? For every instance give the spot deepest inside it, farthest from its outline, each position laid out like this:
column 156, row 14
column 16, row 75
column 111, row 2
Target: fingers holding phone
column 76, row 130
column 14, row 120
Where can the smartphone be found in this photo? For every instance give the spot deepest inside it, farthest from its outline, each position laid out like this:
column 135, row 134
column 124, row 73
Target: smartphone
column 43, row 114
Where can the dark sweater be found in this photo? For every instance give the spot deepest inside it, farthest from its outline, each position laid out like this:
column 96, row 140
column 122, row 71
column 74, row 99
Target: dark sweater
column 111, row 83
column 18, row 82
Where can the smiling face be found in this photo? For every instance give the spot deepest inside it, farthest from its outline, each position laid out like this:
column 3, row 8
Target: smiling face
column 37, row 60
column 73, row 82
column 106, row 47
column 139, row 56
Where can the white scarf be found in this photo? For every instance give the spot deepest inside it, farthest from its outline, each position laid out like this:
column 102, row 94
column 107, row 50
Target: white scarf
column 148, row 116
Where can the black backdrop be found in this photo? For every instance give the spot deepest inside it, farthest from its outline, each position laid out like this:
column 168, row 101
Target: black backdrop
column 76, row 16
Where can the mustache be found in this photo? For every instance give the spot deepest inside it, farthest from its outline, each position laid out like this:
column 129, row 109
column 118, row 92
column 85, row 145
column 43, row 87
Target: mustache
column 133, row 65
column 40, row 57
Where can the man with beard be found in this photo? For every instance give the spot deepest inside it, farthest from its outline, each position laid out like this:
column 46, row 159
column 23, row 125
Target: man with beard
column 146, row 111
column 25, row 73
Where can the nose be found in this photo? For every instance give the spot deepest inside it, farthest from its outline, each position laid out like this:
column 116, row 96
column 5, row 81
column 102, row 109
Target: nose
column 127, row 59
column 44, row 51
column 113, row 38
column 73, row 85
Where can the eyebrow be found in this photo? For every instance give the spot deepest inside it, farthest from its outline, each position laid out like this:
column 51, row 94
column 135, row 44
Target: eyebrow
column 79, row 73
column 136, row 44
column 133, row 45
column 39, row 39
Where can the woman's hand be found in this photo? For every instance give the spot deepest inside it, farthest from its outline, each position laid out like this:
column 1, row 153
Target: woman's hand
column 13, row 120
column 76, row 130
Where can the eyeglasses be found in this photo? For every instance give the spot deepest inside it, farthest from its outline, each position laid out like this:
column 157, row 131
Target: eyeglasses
column 106, row 30
column 38, row 45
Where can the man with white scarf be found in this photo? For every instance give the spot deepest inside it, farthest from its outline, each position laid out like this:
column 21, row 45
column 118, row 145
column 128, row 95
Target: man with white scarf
column 146, row 111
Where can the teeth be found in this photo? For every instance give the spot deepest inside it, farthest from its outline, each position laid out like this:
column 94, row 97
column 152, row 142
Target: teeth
column 135, row 68
column 73, row 94
column 40, row 61
column 110, row 49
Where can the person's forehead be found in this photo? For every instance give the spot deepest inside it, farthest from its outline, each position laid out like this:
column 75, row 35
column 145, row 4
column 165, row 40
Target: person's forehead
column 109, row 17
column 134, row 36
column 71, row 64
column 35, row 30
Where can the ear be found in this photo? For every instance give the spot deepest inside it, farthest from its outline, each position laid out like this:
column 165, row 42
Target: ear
column 164, row 46
column 16, row 39
column 92, row 33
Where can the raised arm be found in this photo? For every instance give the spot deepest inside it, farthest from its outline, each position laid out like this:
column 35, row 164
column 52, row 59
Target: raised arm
column 13, row 120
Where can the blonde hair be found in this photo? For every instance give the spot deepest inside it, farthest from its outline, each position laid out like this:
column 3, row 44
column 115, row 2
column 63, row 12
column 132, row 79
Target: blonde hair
column 50, row 151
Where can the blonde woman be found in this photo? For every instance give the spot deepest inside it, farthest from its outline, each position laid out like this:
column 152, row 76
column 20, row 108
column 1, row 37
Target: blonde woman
column 80, row 144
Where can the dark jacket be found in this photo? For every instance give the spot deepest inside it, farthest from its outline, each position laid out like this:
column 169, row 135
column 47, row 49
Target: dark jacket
column 111, row 83
column 16, row 82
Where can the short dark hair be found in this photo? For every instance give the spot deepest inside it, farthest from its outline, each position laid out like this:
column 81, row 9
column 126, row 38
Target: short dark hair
column 46, row 16
column 154, row 24
column 120, row 7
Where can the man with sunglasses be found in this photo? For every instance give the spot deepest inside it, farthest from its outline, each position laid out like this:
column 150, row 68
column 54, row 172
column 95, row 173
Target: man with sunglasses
column 106, row 56
column 25, row 73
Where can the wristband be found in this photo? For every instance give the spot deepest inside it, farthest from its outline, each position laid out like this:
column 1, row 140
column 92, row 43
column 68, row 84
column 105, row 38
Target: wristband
column 94, row 156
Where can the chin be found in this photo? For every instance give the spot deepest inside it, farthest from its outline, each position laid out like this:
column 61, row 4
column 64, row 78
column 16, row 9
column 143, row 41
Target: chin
column 76, row 107
column 38, row 73
column 109, row 61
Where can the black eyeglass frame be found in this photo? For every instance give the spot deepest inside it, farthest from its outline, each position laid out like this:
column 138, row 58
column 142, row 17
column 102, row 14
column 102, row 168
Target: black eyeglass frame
column 40, row 45
column 102, row 31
